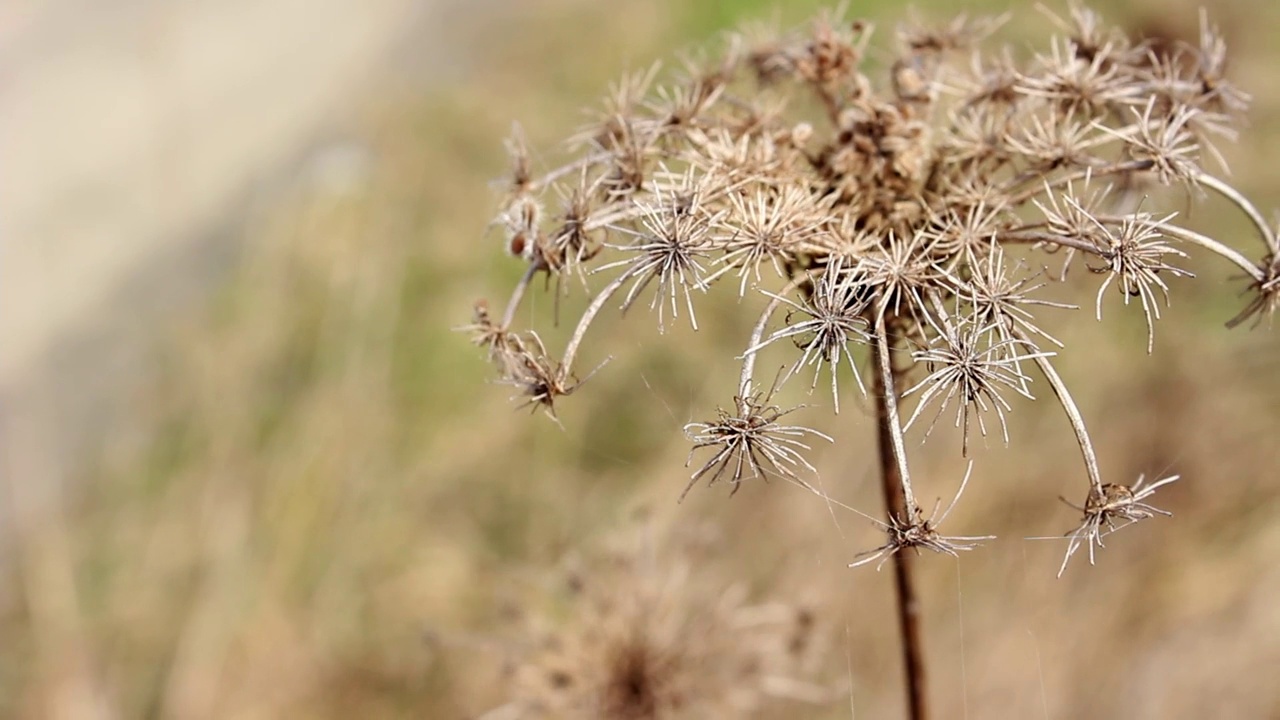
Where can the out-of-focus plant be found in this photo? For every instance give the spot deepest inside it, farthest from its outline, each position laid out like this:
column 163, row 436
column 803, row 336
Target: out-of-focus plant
column 892, row 223
column 644, row 633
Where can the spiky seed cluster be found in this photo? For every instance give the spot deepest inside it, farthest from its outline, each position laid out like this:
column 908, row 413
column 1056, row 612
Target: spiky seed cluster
column 905, row 214
column 642, row 636
column 750, row 443
column 1109, row 508
column 916, row 532
column 826, row 325
column 971, row 366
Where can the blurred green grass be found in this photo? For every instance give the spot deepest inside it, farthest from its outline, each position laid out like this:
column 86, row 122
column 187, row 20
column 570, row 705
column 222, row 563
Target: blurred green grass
column 326, row 477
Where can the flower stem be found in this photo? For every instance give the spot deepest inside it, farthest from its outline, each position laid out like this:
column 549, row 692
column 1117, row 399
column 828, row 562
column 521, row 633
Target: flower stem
column 518, row 294
column 588, row 315
column 749, row 359
column 895, row 494
column 1245, row 206
column 1073, row 414
column 888, row 396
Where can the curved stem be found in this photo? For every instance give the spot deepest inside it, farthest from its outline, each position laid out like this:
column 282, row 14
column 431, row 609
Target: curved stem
column 1036, row 236
column 518, row 294
column 1073, row 414
column 588, row 315
column 1230, row 193
column 749, row 361
column 1089, row 172
column 563, row 170
column 1208, row 243
column 898, row 504
column 1027, row 235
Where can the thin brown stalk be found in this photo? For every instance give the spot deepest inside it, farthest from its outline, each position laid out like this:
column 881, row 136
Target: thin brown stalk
column 896, row 491
column 749, row 361
column 1227, row 253
column 1240, row 201
column 588, row 315
column 1073, row 413
column 1017, row 198
column 1037, row 236
column 886, row 339
column 518, row 294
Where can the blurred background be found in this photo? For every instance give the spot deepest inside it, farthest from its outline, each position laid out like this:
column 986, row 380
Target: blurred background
column 250, row 472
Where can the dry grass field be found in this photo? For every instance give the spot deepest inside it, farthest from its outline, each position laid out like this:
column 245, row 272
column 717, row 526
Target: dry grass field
column 324, row 508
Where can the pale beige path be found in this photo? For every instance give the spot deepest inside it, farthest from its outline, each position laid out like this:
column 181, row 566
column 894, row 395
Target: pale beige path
column 126, row 123
column 134, row 136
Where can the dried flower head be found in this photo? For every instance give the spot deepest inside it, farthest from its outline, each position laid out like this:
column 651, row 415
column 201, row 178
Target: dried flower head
column 1135, row 253
column 674, row 237
column 1109, row 508
column 969, row 365
column 915, row 532
column 1266, row 295
column 836, row 311
column 899, row 220
column 639, row 635
column 750, row 443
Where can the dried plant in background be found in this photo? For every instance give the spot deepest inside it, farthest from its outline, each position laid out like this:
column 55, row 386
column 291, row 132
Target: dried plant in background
column 901, row 224
column 640, row 634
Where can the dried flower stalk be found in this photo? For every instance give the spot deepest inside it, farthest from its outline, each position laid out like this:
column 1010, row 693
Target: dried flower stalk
column 897, row 223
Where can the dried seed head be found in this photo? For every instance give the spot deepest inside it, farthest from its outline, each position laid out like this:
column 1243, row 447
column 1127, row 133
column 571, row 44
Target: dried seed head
column 1266, row 295
column 1135, row 252
column 1109, row 508
column 1166, row 142
column 669, row 246
column 893, row 211
column 978, row 138
column 540, row 380
column 969, row 366
column 997, row 300
column 485, row 333
column 766, row 227
column 836, row 311
column 1211, row 70
column 573, row 242
column 921, row 534
column 902, row 275
column 1077, row 82
column 1088, row 35
column 639, row 635
column 520, row 220
column 1054, row 140
column 521, row 167
column 750, row 443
